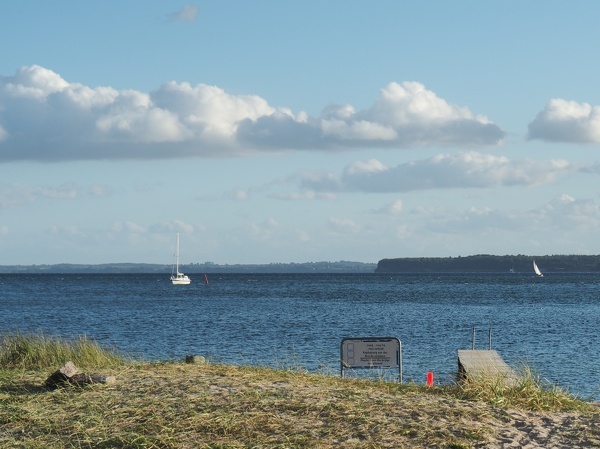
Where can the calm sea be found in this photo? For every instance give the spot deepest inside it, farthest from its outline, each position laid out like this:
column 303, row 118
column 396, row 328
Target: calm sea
column 299, row 320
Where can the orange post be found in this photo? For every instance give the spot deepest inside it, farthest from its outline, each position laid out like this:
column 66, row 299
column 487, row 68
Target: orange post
column 430, row 379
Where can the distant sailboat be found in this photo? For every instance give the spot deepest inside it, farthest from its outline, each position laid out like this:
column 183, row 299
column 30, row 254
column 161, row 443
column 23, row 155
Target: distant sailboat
column 178, row 278
column 537, row 270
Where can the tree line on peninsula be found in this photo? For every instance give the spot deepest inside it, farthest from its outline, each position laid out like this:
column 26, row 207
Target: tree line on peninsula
column 489, row 263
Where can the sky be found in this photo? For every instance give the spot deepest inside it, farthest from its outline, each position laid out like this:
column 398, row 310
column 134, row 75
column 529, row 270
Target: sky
column 290, row 132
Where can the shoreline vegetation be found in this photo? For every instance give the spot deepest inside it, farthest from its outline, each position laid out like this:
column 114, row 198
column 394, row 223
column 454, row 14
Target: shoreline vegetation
column 203, row 405
column 485, row 263
column 193, row 268
column 480, row 263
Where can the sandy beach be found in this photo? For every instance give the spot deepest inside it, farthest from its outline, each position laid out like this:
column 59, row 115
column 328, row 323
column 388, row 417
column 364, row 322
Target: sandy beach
column 405, row 419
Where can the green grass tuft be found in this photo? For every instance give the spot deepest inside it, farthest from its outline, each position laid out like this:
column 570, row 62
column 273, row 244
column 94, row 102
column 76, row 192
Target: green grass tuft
column 527, row 392
column 35, row 351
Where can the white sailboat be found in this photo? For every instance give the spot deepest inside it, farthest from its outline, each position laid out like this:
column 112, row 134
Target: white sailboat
column 537, row 270
column 178, row 278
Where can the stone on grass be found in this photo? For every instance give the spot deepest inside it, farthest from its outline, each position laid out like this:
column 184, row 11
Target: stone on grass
column 67, row 374
column 195, row 359
column 61, row 376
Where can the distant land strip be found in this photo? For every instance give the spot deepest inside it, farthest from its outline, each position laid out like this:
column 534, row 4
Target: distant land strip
column 485, row 263
column 481, row 263
column 208, row 267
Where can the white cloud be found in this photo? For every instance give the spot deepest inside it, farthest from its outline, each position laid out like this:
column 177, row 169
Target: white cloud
column 486, row 229
column 307, row 195
column 571, row 214
column 44, row 117
column 410, row 103
column 174, row 226
column 457, row 170
column 343, row 225
column 72, row 230
column 100, row 190
column 210, row 113
column 128, row 227
column 361, row 130
column 34, row 82
column 591, row 168
column 370, row 166
column 404, row 115
column 145, row 126
column 265, row 231
column 188, row 13
column 394, row 208
column 240, row 195
column 563, row 213
column 567, row 121
column 15, row 195
column 473, row 220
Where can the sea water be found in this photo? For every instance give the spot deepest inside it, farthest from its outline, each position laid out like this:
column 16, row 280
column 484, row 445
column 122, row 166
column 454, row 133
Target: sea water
column 299, row 320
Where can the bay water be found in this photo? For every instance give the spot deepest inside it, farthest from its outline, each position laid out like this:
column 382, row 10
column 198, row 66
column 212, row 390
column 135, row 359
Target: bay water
column 299, row 320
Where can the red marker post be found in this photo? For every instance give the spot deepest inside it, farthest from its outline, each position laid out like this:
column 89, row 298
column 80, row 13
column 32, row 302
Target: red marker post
column 430, row 379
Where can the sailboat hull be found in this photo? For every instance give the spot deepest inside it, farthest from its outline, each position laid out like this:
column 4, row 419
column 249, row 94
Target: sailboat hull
column 180, row 280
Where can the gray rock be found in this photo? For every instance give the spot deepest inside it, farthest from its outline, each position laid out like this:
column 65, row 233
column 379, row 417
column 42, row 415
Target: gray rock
column 195, row 359
column 61, row 376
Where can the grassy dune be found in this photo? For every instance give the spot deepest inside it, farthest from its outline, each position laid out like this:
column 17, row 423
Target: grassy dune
column 178, row 405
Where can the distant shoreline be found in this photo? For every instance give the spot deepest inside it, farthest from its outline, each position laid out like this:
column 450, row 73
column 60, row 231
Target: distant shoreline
column 141, row 268
column 481, row 263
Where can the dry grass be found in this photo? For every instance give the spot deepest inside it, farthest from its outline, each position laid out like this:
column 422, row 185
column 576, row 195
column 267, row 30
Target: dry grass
column 175, row 405
column 527, row 392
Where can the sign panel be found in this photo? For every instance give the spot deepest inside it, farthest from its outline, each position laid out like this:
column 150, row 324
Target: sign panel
column 371, row 352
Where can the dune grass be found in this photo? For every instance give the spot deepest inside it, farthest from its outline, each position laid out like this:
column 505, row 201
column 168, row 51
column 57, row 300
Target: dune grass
column 527, row 392
column 35, row 351
column 177, row 405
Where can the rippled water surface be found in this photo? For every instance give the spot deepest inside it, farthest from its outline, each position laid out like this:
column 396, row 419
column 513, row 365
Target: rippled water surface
column 300, row 319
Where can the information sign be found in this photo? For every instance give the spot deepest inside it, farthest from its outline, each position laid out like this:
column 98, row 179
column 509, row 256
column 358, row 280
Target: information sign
column 371, row 352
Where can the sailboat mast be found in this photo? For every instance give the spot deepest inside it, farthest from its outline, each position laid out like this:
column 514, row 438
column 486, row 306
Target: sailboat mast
column 177, row 256
column 177, row 277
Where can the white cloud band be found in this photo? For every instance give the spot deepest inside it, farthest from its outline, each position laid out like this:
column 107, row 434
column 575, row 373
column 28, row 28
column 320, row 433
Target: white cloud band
column 44, row 117
column 459, row 170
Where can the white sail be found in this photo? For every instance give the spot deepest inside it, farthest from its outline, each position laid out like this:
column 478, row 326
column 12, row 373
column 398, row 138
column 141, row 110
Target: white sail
column 537, row 270
column 178, row 278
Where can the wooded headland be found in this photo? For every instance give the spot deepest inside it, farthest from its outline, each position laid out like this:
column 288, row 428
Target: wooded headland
column 485, row 263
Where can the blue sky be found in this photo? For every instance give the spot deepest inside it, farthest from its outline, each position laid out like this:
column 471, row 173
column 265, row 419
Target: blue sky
column 305, row 131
